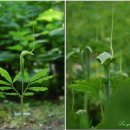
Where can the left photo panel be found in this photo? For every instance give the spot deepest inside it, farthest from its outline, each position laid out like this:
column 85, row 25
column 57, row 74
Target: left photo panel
column 32, row 65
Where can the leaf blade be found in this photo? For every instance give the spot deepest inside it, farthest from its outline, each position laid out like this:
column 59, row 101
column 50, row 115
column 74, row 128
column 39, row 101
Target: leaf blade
column 37, row 89
column 16, row 77
column 5, row 74
column 42, row 79
column 4, row 83
column 41, row 73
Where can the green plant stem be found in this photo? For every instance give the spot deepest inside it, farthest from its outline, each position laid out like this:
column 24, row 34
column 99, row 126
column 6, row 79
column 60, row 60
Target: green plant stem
column 121, row 62
column 15, row 90
column 84, row 74
column 111, row 46
column 102, row 112
column 107, row 80
column 22, row 115
column 73, row 101
column 26, row 88
column 22, row 92
column 88, row 77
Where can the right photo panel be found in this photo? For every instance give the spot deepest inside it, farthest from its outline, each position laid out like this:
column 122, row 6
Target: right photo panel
column 98, row 64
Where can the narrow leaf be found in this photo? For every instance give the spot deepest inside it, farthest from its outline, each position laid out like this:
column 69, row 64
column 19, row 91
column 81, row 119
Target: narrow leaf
column 42, row 79
column 28, row 94
column 37, row 89
column 41, row 73
column 5, row 88
column 17, row 77
column 12, row 94
column 4, row 83
column 5, row 74
column 26, row 76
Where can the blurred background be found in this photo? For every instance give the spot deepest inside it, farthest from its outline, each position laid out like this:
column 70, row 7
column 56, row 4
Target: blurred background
column 89, row 24
column 21, row 23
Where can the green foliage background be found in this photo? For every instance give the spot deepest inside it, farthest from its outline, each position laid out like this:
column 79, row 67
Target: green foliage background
column 89, row 24
column 89, row 21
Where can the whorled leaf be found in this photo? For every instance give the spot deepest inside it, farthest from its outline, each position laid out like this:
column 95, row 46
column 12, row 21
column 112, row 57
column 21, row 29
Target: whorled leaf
column 39, row 74
column 17, row 76
column 5, row 88
column 28, row 94
column 5, row 74
column 37, row 89
column 91, row 87
column 4, row 83
column 26, row 76
column 42, row 79
column 12, row 94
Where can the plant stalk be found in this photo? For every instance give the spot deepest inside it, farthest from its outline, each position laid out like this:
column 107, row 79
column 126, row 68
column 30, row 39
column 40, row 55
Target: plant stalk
column 107, row 80
column 111, row 46
column 22, row 115
column 22, row 92
column 88, row 77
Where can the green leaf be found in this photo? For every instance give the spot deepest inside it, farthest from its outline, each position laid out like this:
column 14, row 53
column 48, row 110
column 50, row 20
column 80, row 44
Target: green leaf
column 12, row 94
column 28, row 94
column 17, row 77
column 16, row 47
column 2, row 95
column 42, row 79
column 5, row 74
column 26, row 76
column 5, row 88
column 4, row 83
column 70, row 54
column 89, row 49
column 37, row 89
column 57, row 32
column 82, row 119
column 91, row 87
column 50, row 15
column 41, row 73
column 105, row 58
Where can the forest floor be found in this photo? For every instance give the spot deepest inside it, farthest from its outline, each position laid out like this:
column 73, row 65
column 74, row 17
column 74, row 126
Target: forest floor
column 39, row 115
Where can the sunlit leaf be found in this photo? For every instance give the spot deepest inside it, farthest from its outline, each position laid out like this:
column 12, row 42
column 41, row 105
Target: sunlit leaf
column 39, row 74
column 50, row 15
column 42, row 79
column 5, row 74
